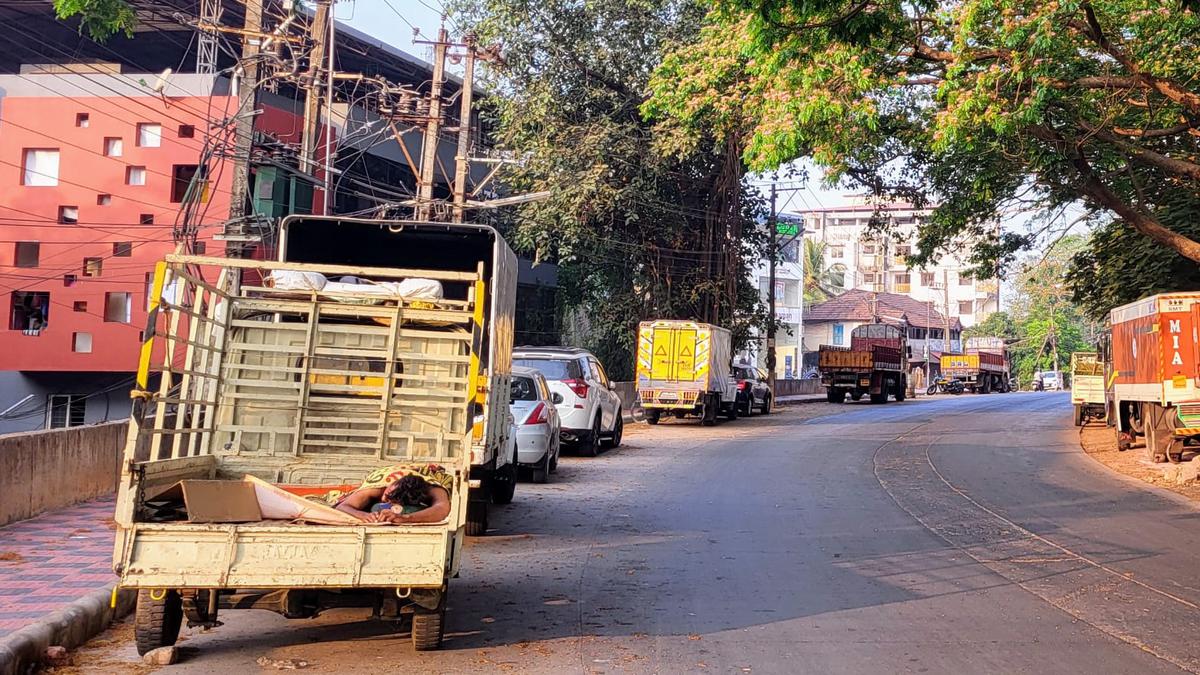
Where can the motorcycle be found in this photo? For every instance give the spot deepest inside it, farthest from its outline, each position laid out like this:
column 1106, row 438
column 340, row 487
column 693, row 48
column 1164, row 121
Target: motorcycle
column 946, row 386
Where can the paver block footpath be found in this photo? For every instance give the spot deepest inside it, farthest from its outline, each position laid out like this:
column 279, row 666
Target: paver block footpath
column 52, row 560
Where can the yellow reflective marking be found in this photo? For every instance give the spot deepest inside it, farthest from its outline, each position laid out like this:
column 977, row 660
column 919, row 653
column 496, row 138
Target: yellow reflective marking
column 156, row 287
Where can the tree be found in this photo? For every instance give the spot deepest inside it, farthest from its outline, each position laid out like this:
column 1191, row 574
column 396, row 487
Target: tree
column 821, row 282
column 101, row 19
column 997, row 324
column 636, row 234
column 979, row 107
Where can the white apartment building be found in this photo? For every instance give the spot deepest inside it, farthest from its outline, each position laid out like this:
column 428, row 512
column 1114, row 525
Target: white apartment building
column 789, row 309
column 862, row 261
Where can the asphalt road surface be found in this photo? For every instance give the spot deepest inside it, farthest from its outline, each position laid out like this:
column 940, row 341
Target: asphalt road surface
column 953, row 535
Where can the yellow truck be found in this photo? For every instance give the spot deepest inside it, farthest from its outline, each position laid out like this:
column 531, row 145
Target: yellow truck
column 685, row 368
column 1088, row 394
column 266, row 388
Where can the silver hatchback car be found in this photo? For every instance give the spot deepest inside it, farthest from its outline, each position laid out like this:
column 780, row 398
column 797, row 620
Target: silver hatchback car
column 536, row 421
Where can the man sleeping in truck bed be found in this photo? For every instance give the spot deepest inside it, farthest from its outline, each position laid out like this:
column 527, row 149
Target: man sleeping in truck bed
column 398, row 494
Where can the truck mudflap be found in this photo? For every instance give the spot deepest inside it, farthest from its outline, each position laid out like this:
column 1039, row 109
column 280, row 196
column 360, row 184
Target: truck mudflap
column 161, row 555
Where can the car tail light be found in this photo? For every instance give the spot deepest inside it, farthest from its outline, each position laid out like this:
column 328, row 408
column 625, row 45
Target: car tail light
column 743, row 385
column 578, row 386
column 540, row 415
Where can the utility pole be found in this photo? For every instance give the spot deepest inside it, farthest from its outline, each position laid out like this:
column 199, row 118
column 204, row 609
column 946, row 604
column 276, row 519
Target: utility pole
column 312, row 98
column 432, row 129
column 773, row 251
column 946, row 306
column 928, row 351
column 247, row 93
column 462, row 158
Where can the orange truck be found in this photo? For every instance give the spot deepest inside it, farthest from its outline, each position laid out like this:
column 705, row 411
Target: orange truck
column 1152, row 388
column 875, row 364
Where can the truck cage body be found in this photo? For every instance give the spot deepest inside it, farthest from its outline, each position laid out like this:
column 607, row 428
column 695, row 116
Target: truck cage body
column 312, row 389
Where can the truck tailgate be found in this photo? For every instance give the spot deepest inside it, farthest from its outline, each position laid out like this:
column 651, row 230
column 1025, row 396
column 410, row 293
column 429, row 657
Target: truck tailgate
column 844, row 358
column 1087, row 389
column 173, row 555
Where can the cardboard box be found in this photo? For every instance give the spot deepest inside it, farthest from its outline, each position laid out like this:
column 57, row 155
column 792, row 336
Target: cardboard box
column 215, row 501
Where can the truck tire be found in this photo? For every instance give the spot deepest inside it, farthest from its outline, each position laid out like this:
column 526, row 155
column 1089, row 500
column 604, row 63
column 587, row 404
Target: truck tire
column 731, row 413
column 709, row 415
column 835, row 395
column 1078, row 415
column 156, row 622
column 881, row 397
column 504, row 484
column 856, row 396
column 1158, row 433
column 899, row 393
column 428, row 628
column 477, row 518
column 652, row 416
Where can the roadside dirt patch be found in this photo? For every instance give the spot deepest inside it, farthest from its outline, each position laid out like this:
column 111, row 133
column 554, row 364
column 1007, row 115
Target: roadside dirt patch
column 1100, row 443
column 11, row 556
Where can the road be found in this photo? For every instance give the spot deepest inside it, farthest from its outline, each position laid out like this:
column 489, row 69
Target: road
column 963, row 534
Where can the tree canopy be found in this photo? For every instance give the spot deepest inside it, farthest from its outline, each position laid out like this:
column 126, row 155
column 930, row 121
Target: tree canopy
column 101, row 19
column 979, row 107
column 637, row 234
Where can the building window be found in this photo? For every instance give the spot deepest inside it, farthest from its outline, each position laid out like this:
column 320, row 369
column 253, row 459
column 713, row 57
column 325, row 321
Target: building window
column 868, row 249
column 149, row 135
column 113, row 147
column 81, row 343
column 903, row 282
column 936, row 333
column 26, row 253
column 181, row 179
column 955, row 334
column 869, row 278
column 68, row 215
column 790, row 252
column 40, row 167
column 837, row 252
column 135, row 175
column 187, row 131
column 839, row 334
column 69, row 279
column 30, row 311
column 118, row 307
column 965, row 307
column 65, row 410
column 82, row 121
column 92, row 267
column 965, row 279
column 103, row 200
column 903, row 250
column 79, row 306
column 122, row 249
column 146, row 219
column 927, row 279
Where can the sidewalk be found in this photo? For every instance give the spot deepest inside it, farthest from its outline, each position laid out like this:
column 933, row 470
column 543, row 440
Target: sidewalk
column 53, row 559
column 800, row 398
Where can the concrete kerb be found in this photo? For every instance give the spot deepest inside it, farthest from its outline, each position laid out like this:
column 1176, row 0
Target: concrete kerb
column 75, row 624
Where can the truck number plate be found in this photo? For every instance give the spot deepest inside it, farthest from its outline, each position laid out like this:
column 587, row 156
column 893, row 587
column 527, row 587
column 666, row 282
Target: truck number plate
column 668, row 396
column 864, row 382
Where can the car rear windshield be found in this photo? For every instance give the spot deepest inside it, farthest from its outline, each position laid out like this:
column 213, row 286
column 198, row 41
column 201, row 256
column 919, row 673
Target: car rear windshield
column 553, row 369
column 523, row 389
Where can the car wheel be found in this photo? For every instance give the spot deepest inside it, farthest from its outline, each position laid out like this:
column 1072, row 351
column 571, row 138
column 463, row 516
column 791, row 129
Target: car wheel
column 591, row 446
column 541, row 472
column 766, row 405
column 614, row 441
column 554, row 460
column 748, row 406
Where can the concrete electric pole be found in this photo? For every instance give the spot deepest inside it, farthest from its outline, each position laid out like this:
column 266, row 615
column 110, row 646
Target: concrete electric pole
column 433, row 127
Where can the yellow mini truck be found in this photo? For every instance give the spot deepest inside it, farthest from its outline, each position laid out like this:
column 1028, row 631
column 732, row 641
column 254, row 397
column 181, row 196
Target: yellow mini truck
column 266, row 387
column 1088, row 387
column 685, row 368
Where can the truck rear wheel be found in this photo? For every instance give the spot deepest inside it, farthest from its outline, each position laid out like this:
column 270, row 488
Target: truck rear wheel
column 731, row 413
column 899, row 393
column 428, row 628
column 835, row 395
column 477, row 518
column 856, row 396
column 504, row 484
column 157, row 619
column 709, row 414
column 652, row 416
column 881, row 397
column 1078, row 415
column 1160, row 441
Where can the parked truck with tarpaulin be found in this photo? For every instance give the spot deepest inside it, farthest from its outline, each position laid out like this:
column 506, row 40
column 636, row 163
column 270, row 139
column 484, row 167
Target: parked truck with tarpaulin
column 685, row 368
column 1087, row 387
column 263, row 383
column 1153, row 390
column 875, row 364
column 982, row 370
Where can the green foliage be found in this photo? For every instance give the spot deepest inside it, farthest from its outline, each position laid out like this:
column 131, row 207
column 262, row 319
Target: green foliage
column 979, row 107
column 1046, row 323
column 101, row 19
column 1120, row 266
column 637, row 234
column 998, row 324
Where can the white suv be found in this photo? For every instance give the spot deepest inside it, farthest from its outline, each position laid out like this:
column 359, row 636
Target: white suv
column 590, row 412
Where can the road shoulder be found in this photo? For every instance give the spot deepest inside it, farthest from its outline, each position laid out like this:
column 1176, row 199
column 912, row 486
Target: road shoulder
column 1099, row 443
